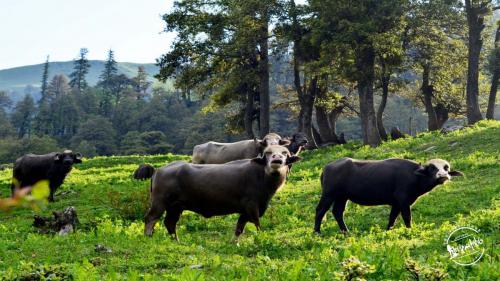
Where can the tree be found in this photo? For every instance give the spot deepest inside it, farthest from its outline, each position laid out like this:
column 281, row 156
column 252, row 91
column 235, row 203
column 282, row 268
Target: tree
column 99, row 133
column 436, row 50
column 296, row 29
column 476, row 11
column 57, row 114
column 6, row 129
column 350, row 29
column 221, row 48
column 80, row 70
column 45, row 80
column 109, row 72
column 141, row 83
column 494, row 68
column 22, row 116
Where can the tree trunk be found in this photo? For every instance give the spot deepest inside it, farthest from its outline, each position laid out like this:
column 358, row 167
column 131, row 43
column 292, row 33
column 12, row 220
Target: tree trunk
column 308, row 106
column 441, row 115
column 383, row 102
column 475, row 23
column 365, row 63
column 490, row 113
column 322, row 120
column 427, row 92
column 333, row 116
column 264, row 74
column 249, row 114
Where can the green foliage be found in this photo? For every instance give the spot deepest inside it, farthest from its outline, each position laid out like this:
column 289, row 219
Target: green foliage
column 11, row 148
column 354, row 269
column 22, row 117
column 99, row 133
column 31, row 272
column 110, row 207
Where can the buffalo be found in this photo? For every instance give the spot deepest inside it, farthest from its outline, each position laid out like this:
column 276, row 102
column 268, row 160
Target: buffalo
column 297, row 142
column 219, row 153
column 242, row 186
column 54, row 167
column 394, row 182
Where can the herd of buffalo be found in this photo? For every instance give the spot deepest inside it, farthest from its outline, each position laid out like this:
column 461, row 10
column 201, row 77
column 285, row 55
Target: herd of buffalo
column 242, row 177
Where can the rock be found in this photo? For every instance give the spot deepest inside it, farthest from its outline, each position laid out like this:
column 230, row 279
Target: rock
column 196, row 266
column 102, row 249
column 450, row 129
column 62, row 223
column 430, row 148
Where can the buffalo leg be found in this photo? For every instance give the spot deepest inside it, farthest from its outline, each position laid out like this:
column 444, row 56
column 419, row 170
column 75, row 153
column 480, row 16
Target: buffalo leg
column 253, row 216
column 392, row 216
column 170, row 221
column 12, row 190
column 324, row 204
column 338, row 213
column 406, row 214
column 51, row 195
column 240, row 225
column 153, row 215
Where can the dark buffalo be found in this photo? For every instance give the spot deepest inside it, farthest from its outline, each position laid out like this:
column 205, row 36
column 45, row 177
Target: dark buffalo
column 394, row 182
column 243, row 186
column 297, row 142
column 219, row 153
column 54, row 167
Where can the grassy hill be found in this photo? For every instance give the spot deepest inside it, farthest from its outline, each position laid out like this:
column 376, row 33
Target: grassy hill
column 111, row 206
column 16, row 79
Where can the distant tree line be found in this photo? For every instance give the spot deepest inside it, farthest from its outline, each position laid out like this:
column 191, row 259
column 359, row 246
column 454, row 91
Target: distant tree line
column 119, row 115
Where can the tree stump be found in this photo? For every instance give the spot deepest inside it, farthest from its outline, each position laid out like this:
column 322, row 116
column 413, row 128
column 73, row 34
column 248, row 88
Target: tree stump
column 62, row 223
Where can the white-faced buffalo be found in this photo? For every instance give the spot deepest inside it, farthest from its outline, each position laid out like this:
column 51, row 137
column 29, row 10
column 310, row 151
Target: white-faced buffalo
column 31, row 168
column 243, row 186
column 394, row 182
column 219, row 153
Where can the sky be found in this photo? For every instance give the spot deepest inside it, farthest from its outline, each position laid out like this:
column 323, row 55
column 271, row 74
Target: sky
column 32, row 29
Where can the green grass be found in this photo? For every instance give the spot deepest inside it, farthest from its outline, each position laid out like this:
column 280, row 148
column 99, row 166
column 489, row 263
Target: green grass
column 111, row 205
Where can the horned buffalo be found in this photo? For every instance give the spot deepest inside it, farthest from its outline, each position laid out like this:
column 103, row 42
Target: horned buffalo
column 394, row 182
column 242, row 186
column 219, row 153
column 54, row 167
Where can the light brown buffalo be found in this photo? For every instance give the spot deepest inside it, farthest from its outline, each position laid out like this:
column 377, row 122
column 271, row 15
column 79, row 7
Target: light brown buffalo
column 219, row 153
column 244, row 187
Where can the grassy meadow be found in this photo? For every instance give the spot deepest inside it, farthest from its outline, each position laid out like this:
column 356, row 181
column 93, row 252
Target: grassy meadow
column 111, row 206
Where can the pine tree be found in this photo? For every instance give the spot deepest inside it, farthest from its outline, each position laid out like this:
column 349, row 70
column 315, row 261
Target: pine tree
column 109, row 72
column 22, row 116
column 45, row 80
column 141, row 82
column 81, row 69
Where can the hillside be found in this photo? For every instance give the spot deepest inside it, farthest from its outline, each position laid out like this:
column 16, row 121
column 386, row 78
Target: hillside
column 16, row 79
column 111, row 205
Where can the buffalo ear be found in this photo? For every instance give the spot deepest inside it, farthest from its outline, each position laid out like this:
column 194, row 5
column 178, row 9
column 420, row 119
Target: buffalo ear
column 57, row 158
column 292, row 159
column 421, row 171
column 77, row 157
column 259, row 160
column 284, row 142
column 455, row 174
column 263, row 143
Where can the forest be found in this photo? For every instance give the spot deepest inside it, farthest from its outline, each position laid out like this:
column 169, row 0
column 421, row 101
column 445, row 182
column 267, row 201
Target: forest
column 241, row 70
